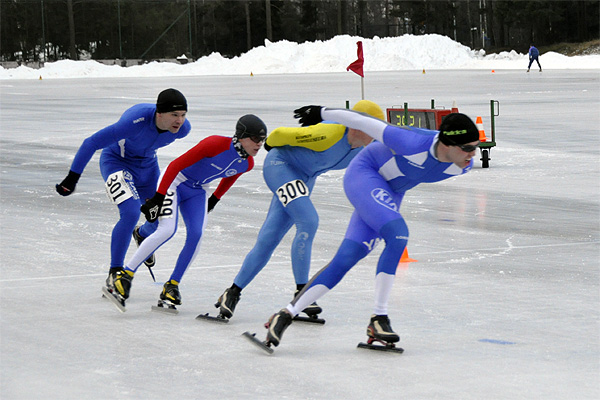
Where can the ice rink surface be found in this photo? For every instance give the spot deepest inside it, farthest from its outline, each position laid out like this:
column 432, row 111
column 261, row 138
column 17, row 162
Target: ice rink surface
column 503, row 302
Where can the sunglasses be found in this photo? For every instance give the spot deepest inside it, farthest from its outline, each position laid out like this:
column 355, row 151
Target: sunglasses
column 255, row 138
column 467, row 148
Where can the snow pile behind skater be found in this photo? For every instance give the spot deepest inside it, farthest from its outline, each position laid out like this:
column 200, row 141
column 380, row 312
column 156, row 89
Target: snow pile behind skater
column 407, row 52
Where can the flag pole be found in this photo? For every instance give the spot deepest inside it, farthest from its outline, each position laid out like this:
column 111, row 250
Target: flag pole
column 362, row 87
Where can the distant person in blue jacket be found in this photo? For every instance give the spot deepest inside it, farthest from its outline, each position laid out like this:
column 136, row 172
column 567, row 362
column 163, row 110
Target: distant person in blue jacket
column 129, row 166
column 534, row 54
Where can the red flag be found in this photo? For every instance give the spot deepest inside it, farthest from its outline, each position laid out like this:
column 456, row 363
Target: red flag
column 357, row 66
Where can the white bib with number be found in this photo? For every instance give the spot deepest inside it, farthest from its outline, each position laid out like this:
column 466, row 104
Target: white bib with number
column 119, row 187
column 166, row 210
column 291, row 191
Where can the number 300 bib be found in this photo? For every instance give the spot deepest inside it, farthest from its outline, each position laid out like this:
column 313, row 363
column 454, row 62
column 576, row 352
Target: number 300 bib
column 291, row 191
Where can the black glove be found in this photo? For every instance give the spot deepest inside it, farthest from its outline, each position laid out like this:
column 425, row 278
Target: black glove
column 67, row 186
column 212, row 202
column 152, row 207
column 308, row 115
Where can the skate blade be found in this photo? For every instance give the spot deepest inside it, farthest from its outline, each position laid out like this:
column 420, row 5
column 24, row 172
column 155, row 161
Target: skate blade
column 390, row 347
column 219, row 318
column 165, row 308
column 103, row 295
column 312, row 320
column 113, row 299
column 258, row 343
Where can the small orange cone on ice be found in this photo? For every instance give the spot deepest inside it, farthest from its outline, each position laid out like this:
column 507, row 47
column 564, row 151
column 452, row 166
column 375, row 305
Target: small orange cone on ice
column 479, row 124
column 405, row 258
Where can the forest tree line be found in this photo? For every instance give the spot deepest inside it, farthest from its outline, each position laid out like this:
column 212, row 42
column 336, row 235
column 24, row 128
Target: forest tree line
column 48, row 30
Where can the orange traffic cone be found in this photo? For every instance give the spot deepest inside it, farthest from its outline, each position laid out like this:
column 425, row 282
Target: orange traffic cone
column 454, row 107
column 479, row 124
column 405, row 258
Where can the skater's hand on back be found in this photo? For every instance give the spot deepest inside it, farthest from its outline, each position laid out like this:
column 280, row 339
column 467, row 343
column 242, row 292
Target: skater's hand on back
column 308, row 115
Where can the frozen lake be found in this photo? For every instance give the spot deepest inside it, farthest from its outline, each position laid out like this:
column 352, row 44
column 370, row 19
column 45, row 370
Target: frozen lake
column 503, row 302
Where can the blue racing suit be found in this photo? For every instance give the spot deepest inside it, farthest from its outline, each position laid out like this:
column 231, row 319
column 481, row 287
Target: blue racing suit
column 184, row 183
column 129, row 167
column 290, row 172
column 375, row 183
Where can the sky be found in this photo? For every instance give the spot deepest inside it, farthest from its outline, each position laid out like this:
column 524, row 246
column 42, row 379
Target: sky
column 408, row 52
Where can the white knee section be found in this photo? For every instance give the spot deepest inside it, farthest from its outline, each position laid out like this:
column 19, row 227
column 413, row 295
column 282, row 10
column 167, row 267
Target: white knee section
column 166, row 228
column 307, row 298
column 383, row 287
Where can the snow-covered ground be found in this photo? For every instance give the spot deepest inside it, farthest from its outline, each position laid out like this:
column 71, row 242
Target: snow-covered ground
column 503, row 302
column 408, row 52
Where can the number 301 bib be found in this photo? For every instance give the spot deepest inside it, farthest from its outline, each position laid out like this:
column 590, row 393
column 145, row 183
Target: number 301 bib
column 119, row 187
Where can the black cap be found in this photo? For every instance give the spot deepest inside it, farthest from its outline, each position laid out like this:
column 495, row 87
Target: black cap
column 457, row 129
column 250, row 125
column 171, row 100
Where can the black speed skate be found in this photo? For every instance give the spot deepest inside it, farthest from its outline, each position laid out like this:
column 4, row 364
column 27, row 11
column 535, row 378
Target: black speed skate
column 380, row 331
column 226, row 305
column 277, row 324
column 170, row 293
column 110, row 280
column 169, row 298
column 227, row 301
column 122, row 283
column 150, row 261
column 118, row 292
